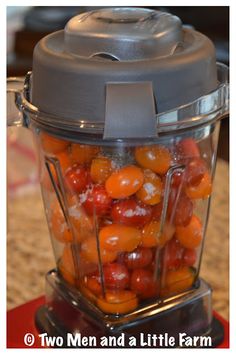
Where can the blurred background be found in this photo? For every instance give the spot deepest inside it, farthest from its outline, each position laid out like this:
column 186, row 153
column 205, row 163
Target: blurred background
column 29, row 251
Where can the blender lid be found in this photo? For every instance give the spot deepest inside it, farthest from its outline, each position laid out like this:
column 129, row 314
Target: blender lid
column 123, row 34
column 119, row 67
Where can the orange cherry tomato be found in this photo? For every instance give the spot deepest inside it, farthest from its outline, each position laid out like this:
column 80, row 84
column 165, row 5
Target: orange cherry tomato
column 124, row 182
column 83, row 154
column 59, row 227
column 155, row 157
column 81, row 222
column 118, row 302
column 178, row 280
column 64, row 160
column 151, row 236
column 190, row 236
column 89, row 252
column 93, row 284
column 101, row 168
column 151, row 190
column 202, row 190
column 65, row 163
column 66, row 266
column 119, row 238
column 52, row 145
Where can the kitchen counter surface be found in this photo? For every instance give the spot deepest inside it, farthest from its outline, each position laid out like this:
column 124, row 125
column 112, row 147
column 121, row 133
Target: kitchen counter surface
column 29, row 252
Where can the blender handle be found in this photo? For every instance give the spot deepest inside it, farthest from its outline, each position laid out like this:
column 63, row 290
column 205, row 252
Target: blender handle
column 15, row 112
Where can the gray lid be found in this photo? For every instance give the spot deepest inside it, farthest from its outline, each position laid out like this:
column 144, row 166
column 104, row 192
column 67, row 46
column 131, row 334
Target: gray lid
column 103, row 57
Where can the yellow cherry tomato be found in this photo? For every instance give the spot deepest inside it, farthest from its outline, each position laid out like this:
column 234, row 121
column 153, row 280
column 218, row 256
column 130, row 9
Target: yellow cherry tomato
column 118, row 302
column 154, row 157
column 151, row 191
column 101, row 168
column 52, row 145
column 124, row 182
column 119, row 238
column 151, row 236
column 178, row 280
column 202, row 190
column 83, row 154
column 89, row 252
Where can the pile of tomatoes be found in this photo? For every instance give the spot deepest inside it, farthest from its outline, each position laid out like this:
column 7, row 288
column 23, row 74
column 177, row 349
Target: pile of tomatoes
column 114, row 250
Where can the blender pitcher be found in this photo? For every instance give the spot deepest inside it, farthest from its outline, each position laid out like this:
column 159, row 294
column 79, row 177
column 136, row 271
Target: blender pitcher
column 125, row 106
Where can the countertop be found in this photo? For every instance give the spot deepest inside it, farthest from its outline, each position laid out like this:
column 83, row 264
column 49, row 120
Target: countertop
column 30, row 256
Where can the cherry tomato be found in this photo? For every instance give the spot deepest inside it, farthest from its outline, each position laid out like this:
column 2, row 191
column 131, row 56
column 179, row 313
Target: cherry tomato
column 183, row 208
column 59, row 227
column 151, row 236
column 66, row 266
column 178, row 280
column 143, row 284
column 118, row 302
column 83, row 224
column 157, row 211
column 52, row 145
column 83, row 154
column 119, row 238
column 65, row 163
column 77, row 178
column 64, row 160
column 101, row 168
column 187, row 148
column 131, row 213
column 190, row 236
column 116, row 276
column 203, row 190
column 173, row 254
column 89, row 252
column 189, row 257
column 139, row 258
column 195, row 171
column 151, row 190
column 96, row 201
column 124, row 182
column 93, row 283
column 155, row 157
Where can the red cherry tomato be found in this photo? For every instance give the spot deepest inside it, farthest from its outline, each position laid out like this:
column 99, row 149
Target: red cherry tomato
column 77, row 178
column 143, row 284
column 116, row 276
column 141, row 257
column 96, row 200
column 180, row 210
column 157, row 211
column 195, row 171
column 189, row 257
column 131, row 213
column 173, row 254
column 187, row 148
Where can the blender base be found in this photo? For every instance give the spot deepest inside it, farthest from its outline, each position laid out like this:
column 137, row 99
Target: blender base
column 53, row 329
column 68, row 312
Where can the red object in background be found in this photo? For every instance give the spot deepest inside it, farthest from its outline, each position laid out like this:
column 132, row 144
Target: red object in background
column 20, row 321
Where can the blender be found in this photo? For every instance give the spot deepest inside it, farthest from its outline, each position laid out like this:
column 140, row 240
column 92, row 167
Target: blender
column 125, row 106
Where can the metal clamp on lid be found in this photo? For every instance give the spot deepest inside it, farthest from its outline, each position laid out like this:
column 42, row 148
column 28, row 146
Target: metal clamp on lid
column 130, row 111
